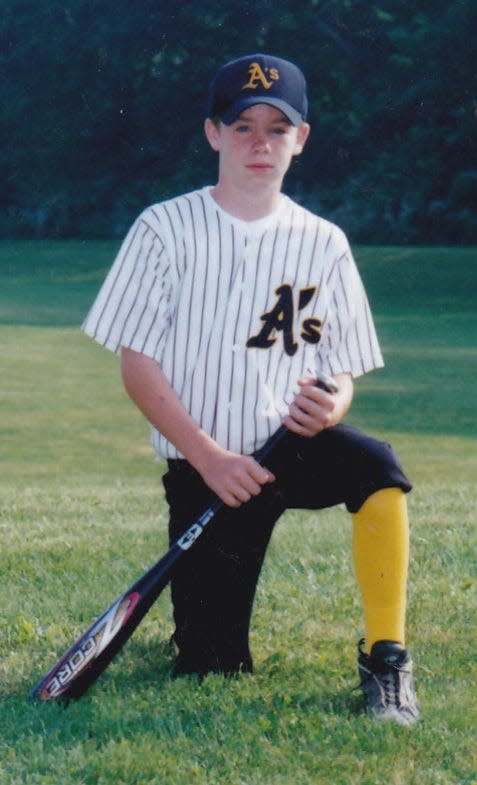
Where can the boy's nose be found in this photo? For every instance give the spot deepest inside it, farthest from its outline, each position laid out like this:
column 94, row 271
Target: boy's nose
column 260, row 140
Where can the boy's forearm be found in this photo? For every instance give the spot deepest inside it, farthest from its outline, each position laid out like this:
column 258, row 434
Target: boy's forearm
column 344, row 396
column 152, row 393
column 234, row 478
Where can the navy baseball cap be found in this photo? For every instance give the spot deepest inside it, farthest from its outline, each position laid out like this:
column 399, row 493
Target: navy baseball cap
column 258, row 79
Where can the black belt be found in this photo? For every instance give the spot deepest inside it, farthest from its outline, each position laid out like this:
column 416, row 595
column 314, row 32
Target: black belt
column 177, row 464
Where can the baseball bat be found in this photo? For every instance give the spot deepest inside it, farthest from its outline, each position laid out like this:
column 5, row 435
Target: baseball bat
column 79, row 667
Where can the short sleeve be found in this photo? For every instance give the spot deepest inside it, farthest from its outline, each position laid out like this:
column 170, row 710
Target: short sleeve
column 133, row 304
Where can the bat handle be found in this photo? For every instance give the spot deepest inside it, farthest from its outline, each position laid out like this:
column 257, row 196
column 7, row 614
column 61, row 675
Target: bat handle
column 188, row 538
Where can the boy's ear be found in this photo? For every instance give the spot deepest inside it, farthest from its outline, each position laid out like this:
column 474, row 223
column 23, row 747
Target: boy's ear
column 212, row 132
column 302, row 135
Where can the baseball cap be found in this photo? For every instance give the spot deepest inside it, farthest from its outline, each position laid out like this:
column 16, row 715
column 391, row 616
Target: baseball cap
column 258, row 79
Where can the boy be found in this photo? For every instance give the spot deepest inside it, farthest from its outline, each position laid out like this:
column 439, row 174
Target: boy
column 223, row 303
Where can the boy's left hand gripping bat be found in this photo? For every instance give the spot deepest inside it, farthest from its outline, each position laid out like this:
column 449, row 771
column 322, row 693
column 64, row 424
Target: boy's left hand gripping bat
column 75, row 672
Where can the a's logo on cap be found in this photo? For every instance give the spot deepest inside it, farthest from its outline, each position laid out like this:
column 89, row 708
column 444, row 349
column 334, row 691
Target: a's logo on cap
column 256, row 76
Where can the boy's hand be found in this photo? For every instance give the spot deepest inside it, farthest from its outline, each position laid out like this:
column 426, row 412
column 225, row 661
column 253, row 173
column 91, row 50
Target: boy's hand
column 312, row 410
column 234, row 478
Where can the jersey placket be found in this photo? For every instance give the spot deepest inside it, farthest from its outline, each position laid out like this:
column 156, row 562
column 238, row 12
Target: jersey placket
column 233, row 382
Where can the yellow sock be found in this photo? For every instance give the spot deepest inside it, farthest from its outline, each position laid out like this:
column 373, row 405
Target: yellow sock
column 381, row 557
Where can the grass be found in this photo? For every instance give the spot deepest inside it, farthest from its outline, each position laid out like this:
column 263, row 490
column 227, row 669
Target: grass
column 82, row 514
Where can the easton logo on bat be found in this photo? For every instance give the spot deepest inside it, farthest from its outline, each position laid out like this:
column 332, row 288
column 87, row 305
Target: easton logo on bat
column 97, row 639
column 194, row 531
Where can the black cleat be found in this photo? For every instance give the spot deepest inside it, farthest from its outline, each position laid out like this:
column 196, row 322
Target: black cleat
column 387, row 682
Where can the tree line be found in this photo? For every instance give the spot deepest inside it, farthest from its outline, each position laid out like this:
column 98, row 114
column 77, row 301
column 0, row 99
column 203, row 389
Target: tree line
column 103, row 107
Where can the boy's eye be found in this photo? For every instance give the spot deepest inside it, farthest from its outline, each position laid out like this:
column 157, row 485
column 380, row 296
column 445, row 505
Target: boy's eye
column 278, row 130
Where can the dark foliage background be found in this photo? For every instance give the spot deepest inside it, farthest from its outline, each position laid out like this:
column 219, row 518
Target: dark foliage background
column 103, row 105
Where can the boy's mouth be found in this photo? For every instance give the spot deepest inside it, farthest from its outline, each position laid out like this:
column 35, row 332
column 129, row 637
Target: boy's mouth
column 259, row 166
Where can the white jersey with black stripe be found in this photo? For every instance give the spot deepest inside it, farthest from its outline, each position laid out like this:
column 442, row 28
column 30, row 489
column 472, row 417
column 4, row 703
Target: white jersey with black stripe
column 235, row 312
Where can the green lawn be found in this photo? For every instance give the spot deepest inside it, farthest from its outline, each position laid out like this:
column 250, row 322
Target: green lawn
column 82, row 515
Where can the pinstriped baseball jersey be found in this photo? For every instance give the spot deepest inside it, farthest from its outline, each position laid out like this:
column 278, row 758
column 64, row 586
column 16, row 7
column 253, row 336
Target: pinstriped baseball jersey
column 235, row 312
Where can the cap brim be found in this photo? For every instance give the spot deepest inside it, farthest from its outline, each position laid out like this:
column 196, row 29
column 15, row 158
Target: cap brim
column 238, row 107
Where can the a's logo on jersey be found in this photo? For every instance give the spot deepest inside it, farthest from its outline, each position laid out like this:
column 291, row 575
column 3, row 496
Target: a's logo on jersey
column 281, row 319
column 257, row 76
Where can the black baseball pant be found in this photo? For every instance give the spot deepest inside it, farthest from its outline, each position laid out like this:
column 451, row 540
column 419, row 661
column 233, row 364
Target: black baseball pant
column 213, row 589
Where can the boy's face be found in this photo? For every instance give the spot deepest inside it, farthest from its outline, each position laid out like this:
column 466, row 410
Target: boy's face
column 257, row 149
